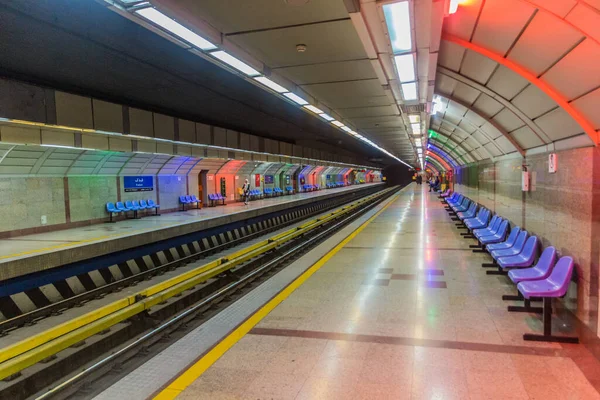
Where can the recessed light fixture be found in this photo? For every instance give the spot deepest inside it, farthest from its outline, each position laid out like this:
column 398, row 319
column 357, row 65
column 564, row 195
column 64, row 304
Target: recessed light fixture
column 397, row 18
column 414, row 118
column 160, row 19
column 405, row 65
column 234, row 62
column 326, row 117
column 337, row 123
column 301, row 48
column 271, row 85
column 314, row 109
column 296, row 99
column 409, row 91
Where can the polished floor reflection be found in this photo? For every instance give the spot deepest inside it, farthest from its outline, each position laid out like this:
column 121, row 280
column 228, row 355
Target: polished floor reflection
column 403, row 311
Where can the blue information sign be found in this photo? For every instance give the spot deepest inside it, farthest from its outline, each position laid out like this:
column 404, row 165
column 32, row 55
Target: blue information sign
column 138, row 183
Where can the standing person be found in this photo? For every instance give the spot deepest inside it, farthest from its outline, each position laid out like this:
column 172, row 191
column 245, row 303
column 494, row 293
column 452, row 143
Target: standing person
column 419, row 180
column 246, row 191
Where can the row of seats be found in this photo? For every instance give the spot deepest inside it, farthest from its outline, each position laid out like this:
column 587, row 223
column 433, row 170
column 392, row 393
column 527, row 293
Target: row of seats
column 273, row 192
column 131, row 205
column 335, row 185
column 310, row 188
column 215, row 198
column 185, row 200
column 515, row 254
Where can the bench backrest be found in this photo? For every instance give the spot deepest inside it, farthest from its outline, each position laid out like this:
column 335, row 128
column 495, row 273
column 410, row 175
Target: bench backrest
column 520, row 242
column 531, row 248
column 546, row 261
column 561, row 274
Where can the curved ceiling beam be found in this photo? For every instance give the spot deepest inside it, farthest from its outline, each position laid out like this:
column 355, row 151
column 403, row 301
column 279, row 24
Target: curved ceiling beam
column 430, row 165
column 493, row 123
column 439, row 169
column 490, row 155
column 439, row 151
column 454, row 142
column 432, row 154
column 448, row 149
column 586, row 125
column 504, row 102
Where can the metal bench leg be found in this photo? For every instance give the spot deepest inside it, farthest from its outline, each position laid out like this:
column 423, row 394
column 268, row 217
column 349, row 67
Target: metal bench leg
column 500, row 271
column 547, row 336
column 526, row 307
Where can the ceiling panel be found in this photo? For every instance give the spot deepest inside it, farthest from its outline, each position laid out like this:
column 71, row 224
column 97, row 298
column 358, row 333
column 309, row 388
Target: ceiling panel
column 558, row 7
column 329, row 72
column 445, row 84
column 586, row 19
column 487, row 106
column 578, row 72
column 277, row 48
column 526, row 138
column 544, row 41
column 474, row 118
column 242, row 15
column 462, row 23
column 491, row 131
column 508, row 120
column 490, row 147
column 457, row 109
column 589, row 106
column 467, row 126
column 533, row 102
column 481, row 138
column 506, row 83
column 558, row 124
column 465, row 93
column 505, row 145
column 477, row 67
column 451, row 55
column 338, row 94
column 500, row 23
column 368, row 111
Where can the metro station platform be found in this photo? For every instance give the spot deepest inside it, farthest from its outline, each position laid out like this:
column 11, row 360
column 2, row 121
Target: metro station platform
column 400, row 309
column 39, row 252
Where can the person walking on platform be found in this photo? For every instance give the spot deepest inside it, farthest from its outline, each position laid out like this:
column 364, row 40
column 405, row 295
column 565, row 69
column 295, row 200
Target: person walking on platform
column 246, row 191
column 419, row 180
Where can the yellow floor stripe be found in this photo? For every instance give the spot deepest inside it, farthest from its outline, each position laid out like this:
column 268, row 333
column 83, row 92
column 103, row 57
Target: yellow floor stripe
column 194, row 372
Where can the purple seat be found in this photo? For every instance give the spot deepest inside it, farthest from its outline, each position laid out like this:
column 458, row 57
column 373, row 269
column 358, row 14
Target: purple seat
column 514, row 250
column 510, row 241
column 555, row 285
column 541, row 270
column 525, row 258
column 481, row 221
column 497, row 237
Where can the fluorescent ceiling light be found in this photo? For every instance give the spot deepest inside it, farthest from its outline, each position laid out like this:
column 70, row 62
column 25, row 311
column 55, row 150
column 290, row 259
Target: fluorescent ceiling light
column 453, row 6
column 326, row 117
column 234, row 62
column 345, row 128
column 416, row 128
column 414, row 118
column 405, row 65
column 337, row 123
column 271, row 85
column 160, row 19
column 295, row 98
column 314, row 109
column 409, row 91
column 397, row 18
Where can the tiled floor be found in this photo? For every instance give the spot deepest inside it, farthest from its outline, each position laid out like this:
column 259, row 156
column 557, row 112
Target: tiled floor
column 403, row 311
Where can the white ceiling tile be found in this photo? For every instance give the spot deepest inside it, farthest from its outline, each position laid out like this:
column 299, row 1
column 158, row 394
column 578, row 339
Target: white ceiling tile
column 451, row 55
column 558, row 124
column 500, row 23
column 578, row 72
column 506, row 82
column 505, row 145
column 473, row 142
column 533, row 102
column 526, row 138
column 586, row 19
column 493, row 149
column 474, row 118
column 544, row 41
column 453, row 119
column 491, row 131
column 480, row 137
column 477, row 67
column 465, row 93
column 508, row 120
column 589, row 106
column 462, row 23
column 456, row 109
column 487, row 106
column 445, row 84
column 467, row 126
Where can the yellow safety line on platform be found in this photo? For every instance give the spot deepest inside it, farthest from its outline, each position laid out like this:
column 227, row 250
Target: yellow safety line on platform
column 197, row 369
column 27, row 352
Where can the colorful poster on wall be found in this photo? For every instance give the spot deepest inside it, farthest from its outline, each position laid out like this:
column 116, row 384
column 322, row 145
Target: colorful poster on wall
column 138, row 183
column 257, row 180
column 268, row 179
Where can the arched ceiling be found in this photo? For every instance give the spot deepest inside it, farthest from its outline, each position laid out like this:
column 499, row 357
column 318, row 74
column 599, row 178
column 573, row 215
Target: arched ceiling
column 515, row 75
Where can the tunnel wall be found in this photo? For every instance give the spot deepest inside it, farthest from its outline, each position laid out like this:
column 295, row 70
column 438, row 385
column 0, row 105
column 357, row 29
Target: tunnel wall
column 397, row 174
column 561, row 209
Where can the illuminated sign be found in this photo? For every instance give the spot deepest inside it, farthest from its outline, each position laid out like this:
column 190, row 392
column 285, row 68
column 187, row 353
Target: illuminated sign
column 138, row 183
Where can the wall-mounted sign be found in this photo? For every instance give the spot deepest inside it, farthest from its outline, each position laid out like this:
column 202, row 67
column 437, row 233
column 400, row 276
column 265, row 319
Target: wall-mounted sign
column 268, row 179
column 257, row 180
column 138, row 183
column 552, row 163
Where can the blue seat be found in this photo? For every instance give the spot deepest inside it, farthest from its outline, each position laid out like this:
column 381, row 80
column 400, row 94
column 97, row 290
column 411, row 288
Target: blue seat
column 268, row 192
column 496, row 237
column 470, row 213
column 508, row 243
column 129, row 204
column 183, row 201
column 111, row 209
column 289, row 189
column 481, row 221
column 514, row 250
column 541, row 270
column 490, row 229
column 463, row 206
column 196, row 200
column 525, row 258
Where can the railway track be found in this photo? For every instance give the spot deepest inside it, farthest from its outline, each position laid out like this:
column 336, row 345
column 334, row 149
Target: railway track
column 141, row 319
